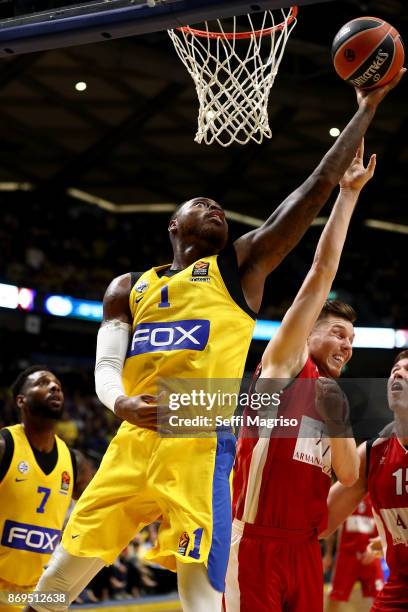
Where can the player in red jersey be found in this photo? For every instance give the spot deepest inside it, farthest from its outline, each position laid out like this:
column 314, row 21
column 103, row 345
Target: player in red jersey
column 384, row 474
column 281, row 483
column 353, row 562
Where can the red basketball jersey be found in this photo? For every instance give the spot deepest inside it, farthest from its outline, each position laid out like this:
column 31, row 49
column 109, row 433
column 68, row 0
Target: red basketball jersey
column 388, row 488
column 358, row 528
column 280, row 481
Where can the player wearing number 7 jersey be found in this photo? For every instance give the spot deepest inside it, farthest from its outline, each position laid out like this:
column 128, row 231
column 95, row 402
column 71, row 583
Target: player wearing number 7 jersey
column 384, row 474
column 39, row 475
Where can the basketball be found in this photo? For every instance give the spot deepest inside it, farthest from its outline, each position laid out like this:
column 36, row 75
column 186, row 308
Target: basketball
column 367, row 52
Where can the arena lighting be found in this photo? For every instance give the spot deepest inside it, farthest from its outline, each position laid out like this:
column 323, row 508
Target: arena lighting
column 168, row 207
column 232, row 215
column 89, row 198
column 264, row 330
column 366, row 337
column 66, row 306
column 91, row 310
column 26, row 298
column 401, row 338
column 374, row 337
column 58, row 305
column 8, row 296
column 386, row 226
column 16, row 297
column 13, row 186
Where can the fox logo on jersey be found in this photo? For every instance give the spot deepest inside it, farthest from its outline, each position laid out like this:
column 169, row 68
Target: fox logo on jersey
column 23, row 536
column 170, row 336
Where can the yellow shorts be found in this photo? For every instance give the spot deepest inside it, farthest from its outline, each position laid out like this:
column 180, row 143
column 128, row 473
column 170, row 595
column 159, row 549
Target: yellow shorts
column 183, row 482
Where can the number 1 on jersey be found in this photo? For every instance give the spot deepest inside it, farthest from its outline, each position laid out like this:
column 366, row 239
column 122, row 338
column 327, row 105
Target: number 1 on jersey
column 198, row 534
column 164, row 294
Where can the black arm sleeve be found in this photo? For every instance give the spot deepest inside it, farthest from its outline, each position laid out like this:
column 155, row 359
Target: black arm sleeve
column 228, row 266
column 8, row 453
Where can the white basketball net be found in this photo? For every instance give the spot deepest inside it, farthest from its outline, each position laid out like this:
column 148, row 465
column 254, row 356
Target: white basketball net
column 233, row 76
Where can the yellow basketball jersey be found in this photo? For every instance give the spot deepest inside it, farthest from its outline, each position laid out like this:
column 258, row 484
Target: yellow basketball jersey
column 32, row 510
column 185, row 326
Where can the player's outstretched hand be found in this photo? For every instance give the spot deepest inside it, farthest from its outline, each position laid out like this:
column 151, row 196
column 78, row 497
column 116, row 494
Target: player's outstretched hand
column 139, row 410
column 373, row 97
column 357, row 175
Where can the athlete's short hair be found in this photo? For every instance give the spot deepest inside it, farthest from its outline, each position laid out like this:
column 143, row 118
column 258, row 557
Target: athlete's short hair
column 401, row 355
column 338, row 309
column 18, row 385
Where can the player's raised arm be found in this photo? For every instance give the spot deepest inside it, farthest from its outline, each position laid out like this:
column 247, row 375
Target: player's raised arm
column 286, row 352
column 260, row 251
column 343, row 500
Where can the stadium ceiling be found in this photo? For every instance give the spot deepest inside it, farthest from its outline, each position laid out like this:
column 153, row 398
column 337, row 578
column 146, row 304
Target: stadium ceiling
column 129, row 137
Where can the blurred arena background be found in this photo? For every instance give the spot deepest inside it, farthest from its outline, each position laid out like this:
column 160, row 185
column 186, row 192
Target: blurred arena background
column 89, row 176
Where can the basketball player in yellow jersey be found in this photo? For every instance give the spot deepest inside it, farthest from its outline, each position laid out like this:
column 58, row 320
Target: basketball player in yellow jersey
column 39, row 475
column 192, row 318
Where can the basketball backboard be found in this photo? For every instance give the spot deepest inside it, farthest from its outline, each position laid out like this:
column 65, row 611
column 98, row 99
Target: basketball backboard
column 79, row 22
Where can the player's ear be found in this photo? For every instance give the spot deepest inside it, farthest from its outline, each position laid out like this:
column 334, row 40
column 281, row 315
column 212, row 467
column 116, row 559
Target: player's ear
column 173, row 225
column 20, row 401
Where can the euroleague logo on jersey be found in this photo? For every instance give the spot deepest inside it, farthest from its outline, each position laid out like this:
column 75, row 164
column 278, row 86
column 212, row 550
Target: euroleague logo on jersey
column 183, row 543
column 65, row 481
column 200, row 272
column 170, row 336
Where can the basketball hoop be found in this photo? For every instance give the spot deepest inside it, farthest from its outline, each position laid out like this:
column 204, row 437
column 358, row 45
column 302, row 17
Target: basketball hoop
column 233, row 72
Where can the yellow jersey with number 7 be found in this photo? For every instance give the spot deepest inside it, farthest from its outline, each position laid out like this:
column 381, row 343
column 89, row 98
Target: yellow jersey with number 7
column 32, row 510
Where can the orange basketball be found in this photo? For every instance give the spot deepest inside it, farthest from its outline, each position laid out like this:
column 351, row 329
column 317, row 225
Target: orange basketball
column 367, row 52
